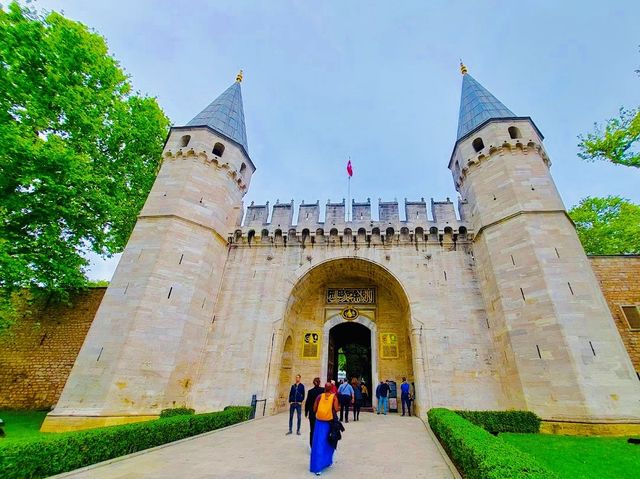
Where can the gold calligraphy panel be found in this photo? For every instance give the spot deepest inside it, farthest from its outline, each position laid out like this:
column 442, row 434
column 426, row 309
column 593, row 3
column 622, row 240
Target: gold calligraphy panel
column 388, row 345
column 311, row 345
column 351, row 295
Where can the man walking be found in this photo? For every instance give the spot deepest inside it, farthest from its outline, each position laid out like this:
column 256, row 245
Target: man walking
column 296, row 396
column 345, row 395
column 313, row 394
column 382, row 394
column 405, row 395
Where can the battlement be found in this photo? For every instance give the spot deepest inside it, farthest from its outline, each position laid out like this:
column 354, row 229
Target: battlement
column 444, row 224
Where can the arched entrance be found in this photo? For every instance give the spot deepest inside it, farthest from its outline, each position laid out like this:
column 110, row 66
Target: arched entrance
column 348, row 304
column 349, row 352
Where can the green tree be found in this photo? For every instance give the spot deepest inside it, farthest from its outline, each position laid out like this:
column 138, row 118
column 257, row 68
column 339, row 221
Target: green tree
column 78, row 151
column 617, row 142
column 608, row 225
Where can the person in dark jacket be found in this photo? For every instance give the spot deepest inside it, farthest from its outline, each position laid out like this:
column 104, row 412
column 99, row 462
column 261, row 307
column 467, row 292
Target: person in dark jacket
column 382, row 393
column 314, row 392
column 296, row 396
column 357, row 402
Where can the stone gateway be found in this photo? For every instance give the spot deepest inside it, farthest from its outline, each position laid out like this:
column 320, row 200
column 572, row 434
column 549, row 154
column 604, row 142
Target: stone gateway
column 492, row 306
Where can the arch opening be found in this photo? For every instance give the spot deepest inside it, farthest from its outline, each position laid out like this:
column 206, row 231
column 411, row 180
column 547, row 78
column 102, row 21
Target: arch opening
column 317, row 307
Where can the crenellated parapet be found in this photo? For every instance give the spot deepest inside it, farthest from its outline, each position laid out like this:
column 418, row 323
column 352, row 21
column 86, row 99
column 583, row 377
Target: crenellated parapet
column 209, row 159
column 340, row 227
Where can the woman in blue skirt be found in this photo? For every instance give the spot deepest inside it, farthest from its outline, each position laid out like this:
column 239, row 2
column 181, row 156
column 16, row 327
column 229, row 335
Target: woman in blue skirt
column 321, row 451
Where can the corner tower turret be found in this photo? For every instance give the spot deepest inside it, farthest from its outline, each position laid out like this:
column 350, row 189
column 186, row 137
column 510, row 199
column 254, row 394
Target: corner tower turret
column 562, row 355
column 144, row 347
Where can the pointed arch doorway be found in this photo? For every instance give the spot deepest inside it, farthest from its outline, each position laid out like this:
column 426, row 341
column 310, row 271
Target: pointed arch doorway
column 355, row 341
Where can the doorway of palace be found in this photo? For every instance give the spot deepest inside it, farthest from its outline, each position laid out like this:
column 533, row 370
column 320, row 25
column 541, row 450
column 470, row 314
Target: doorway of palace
column 349, row 353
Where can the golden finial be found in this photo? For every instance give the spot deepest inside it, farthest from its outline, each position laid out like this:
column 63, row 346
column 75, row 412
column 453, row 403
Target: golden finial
column 239, row 77
column 463, row 69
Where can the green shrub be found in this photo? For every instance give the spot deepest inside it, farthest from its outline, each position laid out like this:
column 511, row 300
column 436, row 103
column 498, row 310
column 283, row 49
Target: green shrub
column 478, row 454
column 177, row 411
column 503, row 421
column 66, row 452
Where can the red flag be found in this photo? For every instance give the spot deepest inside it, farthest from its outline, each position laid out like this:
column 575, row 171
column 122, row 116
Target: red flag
column 349, row 169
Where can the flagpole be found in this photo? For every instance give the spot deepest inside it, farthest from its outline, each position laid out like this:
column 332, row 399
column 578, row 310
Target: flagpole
column 349, row 200
column 349, row 193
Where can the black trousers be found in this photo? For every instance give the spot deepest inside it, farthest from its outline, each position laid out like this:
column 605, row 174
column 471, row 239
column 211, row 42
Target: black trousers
column 312, row 425
column 356, row 409
column 345, row 402
column 406, row 399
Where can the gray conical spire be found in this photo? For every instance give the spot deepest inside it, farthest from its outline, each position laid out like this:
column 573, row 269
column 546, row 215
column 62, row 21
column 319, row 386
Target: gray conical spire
column 225, row 115
column 477, row 106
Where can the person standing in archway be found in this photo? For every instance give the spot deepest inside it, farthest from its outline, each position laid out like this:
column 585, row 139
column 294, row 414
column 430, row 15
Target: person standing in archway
column 296, row 396
column 405, row 396
column 365, row 394
column 346, row 395
column 313, row 394
column 357, row 403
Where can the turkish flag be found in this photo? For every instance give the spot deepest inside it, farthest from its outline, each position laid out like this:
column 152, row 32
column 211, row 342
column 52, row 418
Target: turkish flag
column 349, row 169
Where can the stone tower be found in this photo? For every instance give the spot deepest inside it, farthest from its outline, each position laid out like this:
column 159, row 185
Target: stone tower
column 560, row 354
column 145, row 345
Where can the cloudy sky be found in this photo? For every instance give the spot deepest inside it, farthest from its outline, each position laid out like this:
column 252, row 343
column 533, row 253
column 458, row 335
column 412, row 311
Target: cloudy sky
column 378, row 81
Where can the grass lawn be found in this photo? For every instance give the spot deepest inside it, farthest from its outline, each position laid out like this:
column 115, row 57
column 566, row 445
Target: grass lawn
column 581, row 457
column 21, row 425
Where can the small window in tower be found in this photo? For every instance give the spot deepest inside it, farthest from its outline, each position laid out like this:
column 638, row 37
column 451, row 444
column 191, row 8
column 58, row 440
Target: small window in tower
column 184, row 141
column 514, row 132
column 478, row 144
column 632, row 314
column 242, row 166
column 218, row 149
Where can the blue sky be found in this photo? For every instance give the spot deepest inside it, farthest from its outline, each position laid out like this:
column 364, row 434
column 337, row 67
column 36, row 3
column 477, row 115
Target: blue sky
column 379, row 82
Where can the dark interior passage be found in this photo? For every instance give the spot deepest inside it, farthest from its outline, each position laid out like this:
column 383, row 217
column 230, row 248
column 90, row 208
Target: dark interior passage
column 354, row 340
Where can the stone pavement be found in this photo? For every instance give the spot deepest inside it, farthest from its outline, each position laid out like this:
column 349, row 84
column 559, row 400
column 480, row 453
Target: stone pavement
column 376, row 446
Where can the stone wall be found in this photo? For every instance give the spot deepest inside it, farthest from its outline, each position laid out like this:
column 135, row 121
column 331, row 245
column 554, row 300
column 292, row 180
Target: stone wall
column 37, row 354
column 618, row 278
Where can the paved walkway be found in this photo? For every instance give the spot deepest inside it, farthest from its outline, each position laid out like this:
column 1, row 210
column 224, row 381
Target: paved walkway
column 376, row 446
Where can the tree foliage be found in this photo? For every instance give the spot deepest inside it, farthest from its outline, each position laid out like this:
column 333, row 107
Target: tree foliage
column 608, row 225
column 78, row 151
column 618, row 142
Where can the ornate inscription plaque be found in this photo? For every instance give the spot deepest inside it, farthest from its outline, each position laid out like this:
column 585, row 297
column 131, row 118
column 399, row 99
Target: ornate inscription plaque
column 351, row 295
column 389, row 345
column 311, row 344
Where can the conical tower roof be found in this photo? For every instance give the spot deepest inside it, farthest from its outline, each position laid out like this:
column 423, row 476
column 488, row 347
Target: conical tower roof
column 477, row 106
column 225, row 115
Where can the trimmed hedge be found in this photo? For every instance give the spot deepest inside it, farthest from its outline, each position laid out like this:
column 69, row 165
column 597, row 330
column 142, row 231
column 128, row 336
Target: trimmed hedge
column 177, row 411
column 478, row 454
column 68, row 451
column 503, row 421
